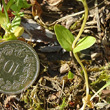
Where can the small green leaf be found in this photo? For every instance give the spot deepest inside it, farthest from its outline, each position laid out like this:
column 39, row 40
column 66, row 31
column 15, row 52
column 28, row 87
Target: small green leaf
column 1, row 37
column 19, row 4
column 70, row 75
column 2, row 18
column 10, row 2
column 16, row 22
column 64, row 37
column 84, row 43
column 18, row 31
column 63, row 105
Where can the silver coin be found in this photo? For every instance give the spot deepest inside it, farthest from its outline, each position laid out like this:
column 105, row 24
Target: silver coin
column 19, row 66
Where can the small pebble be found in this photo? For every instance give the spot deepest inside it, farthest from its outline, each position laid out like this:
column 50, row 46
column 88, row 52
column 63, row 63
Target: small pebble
column 95, row 55
column 64, row 68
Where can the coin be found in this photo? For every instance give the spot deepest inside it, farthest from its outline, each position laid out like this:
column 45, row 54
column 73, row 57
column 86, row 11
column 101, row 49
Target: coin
column 19, row 66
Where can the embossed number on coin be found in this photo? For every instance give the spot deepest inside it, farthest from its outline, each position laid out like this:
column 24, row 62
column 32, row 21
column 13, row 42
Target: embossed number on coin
column 19, row 66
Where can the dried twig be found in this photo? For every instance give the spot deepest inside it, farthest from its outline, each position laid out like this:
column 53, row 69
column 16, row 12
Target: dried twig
column 72, row 15
column 97, row 18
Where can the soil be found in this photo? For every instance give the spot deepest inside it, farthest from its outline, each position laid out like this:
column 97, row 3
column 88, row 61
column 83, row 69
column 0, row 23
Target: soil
column 53, row 90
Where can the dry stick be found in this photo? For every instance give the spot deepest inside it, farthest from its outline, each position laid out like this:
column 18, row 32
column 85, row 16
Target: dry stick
column 72, row 15
column 97, row 18
column 96, row 94
column 34, row 95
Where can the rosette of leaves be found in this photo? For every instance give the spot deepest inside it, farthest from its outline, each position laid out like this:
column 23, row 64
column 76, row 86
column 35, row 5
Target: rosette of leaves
column 12, row 28
column 66, row 38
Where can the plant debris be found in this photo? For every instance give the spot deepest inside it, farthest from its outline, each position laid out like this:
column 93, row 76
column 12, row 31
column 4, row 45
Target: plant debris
column 53, row 89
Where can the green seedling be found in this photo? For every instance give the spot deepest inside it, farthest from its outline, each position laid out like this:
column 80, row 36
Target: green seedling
column 63, row 105
column 70, row 43
column 70, row 75
column 12, row 28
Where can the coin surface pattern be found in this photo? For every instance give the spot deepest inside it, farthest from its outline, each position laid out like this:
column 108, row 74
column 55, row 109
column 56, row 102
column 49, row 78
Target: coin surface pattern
column 19, row 66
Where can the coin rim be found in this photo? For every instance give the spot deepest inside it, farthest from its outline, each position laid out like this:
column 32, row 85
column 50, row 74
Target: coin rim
column 37, row 65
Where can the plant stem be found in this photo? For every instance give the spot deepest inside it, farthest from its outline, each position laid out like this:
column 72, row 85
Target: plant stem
column 85, row 73
column 4, row 6
column 75, row 54
column 84, row 22
column 86, row 79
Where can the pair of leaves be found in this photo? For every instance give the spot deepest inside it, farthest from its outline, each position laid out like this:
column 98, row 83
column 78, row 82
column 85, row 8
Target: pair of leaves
column 65, row 38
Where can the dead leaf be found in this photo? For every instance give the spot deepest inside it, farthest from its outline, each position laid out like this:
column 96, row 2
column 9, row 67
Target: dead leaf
column 8, row 99
column 54, row 2
column 54, row 96
column 36, row 8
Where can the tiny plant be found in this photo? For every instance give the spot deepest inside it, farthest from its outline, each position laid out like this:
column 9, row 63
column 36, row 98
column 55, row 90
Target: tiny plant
column 70, row 43
column 63, row 105
column 70, row 75
column 12, row 28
